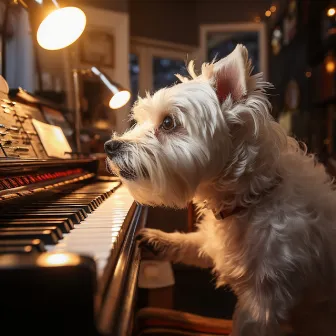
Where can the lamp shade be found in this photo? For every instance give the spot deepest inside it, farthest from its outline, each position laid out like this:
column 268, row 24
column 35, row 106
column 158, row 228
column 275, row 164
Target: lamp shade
column 119, row 95
column 61, row 27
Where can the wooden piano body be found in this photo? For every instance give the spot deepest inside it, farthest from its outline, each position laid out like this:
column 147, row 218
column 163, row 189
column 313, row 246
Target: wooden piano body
column 68, row 260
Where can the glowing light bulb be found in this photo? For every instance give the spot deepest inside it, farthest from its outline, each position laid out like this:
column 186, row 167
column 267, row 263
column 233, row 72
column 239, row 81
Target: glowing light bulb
column 61, row 28
column 268, row 13
column 330, row 66
column 119, row 99
column 273, row 9
column 331, row 11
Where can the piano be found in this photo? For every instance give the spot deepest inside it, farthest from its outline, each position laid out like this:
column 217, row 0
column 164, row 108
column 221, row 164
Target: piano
column 68, row 258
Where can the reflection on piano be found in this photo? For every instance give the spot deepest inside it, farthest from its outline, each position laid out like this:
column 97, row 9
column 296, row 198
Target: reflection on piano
column 68, row 262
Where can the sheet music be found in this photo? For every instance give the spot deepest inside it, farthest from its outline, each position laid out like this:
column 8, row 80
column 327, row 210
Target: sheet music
column 53, row 139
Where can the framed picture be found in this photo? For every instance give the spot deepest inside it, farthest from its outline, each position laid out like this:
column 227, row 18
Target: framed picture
column 97, row 47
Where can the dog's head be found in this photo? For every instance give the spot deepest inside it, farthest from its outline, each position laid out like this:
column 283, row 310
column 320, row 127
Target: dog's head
column 183, row 135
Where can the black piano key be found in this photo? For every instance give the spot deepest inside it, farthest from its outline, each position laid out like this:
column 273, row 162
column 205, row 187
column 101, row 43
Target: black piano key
column 74, row 215
column 91, row 206
column 103, row 195
column 45, row 215
column 35, row 208
column 94, row 200
column 64, row 209
column 49, row 207
column 36, row 244
column 16, row 249
column 47, row 236
column 67, row 221
column 63, row 226
column 94, row 205
column 18, row 229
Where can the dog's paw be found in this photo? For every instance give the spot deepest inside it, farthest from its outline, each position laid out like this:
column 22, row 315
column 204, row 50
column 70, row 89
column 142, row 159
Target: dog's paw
column 152, row 241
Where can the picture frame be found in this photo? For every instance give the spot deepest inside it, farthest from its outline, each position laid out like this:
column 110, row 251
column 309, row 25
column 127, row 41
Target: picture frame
column 97, row 47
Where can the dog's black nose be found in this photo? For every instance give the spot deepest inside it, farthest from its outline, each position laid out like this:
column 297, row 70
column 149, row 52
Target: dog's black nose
column 112, row 146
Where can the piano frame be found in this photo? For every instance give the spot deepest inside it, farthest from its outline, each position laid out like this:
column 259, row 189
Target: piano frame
column 115, row 303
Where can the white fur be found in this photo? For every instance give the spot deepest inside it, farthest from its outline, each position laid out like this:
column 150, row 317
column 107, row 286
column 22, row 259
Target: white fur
column 278, row 254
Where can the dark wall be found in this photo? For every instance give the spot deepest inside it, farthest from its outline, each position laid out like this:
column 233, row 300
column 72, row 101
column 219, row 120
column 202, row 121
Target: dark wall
column 229, row 11
column 178, row 20
column 166, row 20
column 116, row 5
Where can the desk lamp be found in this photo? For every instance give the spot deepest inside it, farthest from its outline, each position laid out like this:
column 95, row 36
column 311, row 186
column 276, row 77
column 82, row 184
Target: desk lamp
column 119, row 95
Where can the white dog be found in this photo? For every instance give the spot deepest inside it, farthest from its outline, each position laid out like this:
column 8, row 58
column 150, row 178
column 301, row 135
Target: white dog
column 268, row 210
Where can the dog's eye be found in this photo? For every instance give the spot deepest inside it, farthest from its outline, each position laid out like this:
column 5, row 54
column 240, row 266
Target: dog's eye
column 168, row 123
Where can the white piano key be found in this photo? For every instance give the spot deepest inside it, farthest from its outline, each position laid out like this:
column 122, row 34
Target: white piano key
column 98, row 234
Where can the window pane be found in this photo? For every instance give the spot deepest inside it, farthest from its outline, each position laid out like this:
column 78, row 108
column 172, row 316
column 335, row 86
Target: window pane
column 220, row 44
column 134, row 74
column 164, row 71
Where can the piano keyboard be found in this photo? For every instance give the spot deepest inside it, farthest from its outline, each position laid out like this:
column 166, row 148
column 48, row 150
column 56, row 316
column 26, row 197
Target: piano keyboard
column 100, row 232
column 90, row 264
column 89, row 220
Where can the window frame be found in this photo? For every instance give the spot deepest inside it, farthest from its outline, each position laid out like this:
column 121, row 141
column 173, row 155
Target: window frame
column 260, row 28
column 146, row 49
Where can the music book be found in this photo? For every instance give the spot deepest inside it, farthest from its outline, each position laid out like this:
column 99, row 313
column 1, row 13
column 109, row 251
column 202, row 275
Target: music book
column 53, row 140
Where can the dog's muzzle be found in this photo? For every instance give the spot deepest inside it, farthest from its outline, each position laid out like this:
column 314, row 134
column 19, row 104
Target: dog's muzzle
column 114, row 150
column 112, row 147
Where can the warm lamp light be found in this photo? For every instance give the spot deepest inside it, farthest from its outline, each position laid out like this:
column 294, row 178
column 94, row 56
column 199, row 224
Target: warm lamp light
column 55, row 27
column 119, row 96
column 58, row 259
column 330, row 66
column 331, row 11
column 257, row 19
column 61, row 28
column 119, row 99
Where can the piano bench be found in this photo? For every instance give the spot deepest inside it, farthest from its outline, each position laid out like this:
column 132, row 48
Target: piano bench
column 169, row 322
column 159, row 321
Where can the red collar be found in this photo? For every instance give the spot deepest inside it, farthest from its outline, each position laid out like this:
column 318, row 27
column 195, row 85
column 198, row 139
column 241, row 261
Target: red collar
column 220, row 215
column 225, row 214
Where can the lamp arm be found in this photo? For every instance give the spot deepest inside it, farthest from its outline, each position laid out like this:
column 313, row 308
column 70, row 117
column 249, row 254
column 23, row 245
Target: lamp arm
column 112, row 86
column 77, row 121
column 4, row 40
column 107, row 81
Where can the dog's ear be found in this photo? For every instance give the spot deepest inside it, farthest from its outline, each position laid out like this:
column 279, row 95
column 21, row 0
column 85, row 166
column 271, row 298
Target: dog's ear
column 231, row 73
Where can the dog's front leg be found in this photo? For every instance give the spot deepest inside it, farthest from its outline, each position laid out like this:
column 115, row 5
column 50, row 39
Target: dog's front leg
column 176, row 247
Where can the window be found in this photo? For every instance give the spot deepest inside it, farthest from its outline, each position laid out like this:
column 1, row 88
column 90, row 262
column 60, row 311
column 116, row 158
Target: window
column 134, row 74
column 219, row 40
column 221, row 44
column 164, row 70
column 153, row 64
